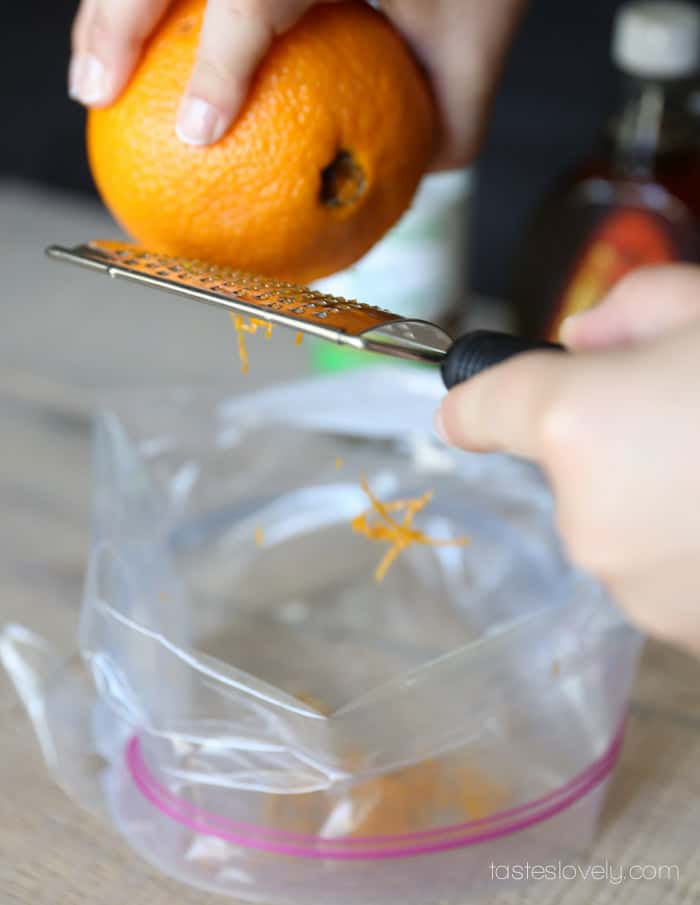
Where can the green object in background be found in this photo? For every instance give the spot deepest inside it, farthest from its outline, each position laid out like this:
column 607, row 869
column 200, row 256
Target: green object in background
column 327, row 357
column 417, row 270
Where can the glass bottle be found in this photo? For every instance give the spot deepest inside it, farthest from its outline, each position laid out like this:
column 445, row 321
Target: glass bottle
column 636, row 200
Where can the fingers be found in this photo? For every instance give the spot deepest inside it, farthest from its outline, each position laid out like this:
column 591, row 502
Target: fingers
column 462, row 44
column 107, row 39
column 235, row 35
column 508, row 408
column 643, row 305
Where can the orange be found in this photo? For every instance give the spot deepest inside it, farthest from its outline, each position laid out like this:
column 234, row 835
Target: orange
column 338, row 129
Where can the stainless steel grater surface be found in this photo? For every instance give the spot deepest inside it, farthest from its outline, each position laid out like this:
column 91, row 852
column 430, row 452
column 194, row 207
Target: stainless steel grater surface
column 336, row 319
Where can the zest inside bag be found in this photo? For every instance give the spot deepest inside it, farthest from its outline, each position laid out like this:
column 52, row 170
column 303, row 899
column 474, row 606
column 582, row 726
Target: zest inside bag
column 258, row 716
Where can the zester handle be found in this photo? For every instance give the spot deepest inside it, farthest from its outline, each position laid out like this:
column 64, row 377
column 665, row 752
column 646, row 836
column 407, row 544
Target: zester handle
column 474, row 352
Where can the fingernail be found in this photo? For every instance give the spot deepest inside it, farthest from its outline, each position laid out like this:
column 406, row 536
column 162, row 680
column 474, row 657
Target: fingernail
column 198, row 123
column 568, row 326
column 439, row 425
column 87, row 80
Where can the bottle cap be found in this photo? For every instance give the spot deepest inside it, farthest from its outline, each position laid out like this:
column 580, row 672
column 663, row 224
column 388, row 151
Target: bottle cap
column 657, row 39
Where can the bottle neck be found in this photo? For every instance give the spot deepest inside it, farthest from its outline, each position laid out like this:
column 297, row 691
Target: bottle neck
column 654, row 119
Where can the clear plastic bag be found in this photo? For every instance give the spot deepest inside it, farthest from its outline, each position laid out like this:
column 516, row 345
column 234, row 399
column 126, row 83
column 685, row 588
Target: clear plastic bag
column 259, row 717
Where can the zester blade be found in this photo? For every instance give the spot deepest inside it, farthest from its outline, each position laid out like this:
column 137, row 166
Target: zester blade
column 329, row 317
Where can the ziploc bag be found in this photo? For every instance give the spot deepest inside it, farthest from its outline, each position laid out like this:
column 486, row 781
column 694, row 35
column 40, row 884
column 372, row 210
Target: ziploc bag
column 259, row 717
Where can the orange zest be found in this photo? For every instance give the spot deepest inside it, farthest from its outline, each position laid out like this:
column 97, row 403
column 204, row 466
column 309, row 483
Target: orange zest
column 413, row 798
column 312, row 701
column 252, row 326
column 400, row 534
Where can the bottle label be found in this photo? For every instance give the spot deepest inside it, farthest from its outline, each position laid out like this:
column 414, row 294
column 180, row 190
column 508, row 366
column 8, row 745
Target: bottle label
column 626, row 239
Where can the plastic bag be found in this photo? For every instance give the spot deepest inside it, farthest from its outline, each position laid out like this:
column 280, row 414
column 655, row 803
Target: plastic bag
column 259, row 717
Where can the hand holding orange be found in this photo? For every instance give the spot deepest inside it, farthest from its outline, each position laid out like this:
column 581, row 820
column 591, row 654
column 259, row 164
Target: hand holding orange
column 325, row 155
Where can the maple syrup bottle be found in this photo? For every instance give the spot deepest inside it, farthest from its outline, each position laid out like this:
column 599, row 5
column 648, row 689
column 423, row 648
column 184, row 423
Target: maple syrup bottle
column 636, row 200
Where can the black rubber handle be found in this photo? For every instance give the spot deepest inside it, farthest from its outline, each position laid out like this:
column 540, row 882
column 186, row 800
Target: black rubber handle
column 474, row 352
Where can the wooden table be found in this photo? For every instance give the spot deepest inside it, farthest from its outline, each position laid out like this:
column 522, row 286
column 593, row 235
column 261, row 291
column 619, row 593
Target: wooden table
column 66, row 339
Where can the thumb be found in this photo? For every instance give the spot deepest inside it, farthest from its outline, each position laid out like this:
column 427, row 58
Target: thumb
column 506, row 407
column 645, row 304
